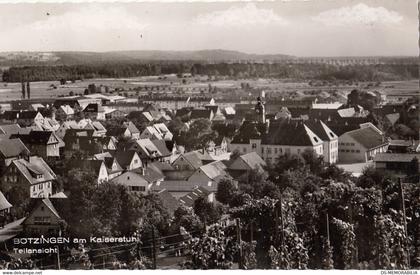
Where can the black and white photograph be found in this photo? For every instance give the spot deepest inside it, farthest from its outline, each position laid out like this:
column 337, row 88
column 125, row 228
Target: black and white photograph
column 210, row 135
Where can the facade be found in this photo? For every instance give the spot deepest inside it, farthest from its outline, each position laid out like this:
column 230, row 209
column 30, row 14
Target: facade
column 32, row 175
column 42, row 143
column 404, row 164
column 135, row 183
column 361, row 145
column 43, row 220
column 282, row 137
column 11, row 149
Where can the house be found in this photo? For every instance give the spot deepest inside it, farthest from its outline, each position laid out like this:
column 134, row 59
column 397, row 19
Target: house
column 11, row 149
column 361, row 145
column 23, row 118
column 114, row 169
column 94, row 111
column 6, row 130
column 127, row 130
column 32, row 176
column 202, row 113
column 48, row 124
column 188, row 161
column 402, row 164
column 98, row 129
column 247, row 162
column 199, row 192
column 162, row 147
column 146, row 149
column 83, row 141
column 5, row 207
column 64, row 112
column 134, row 182
column 142, row 117
column 217, row 146
column 402, row 146
column 97, row 167
column 329, row 138
column 180, row 188
column 281, row 137
column 212, row 172
column 42, row 143
column 61, row 131
column 115, row 114
column 129, row 160
column 43, row 220
column 157, row 131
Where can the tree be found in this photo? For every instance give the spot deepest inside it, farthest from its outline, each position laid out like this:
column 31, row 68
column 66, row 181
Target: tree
column 207, row 212
column 225, row 191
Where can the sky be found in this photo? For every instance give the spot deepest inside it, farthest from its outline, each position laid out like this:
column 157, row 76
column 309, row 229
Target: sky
column 300, row 28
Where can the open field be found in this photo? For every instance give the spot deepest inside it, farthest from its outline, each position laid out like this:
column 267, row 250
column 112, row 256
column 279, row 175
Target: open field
column 52, row 89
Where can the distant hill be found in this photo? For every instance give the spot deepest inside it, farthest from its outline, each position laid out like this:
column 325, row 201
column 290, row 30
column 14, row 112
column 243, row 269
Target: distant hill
column 71, row 58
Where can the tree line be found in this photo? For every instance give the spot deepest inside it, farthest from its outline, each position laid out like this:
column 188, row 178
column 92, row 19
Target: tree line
column 309, row 71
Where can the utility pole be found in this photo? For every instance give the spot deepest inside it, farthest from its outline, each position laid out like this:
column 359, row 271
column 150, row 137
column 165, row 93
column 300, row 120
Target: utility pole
column 58, row 258
column 154, row 248
column 328, row 228
column 402, row 200
column 239, row 239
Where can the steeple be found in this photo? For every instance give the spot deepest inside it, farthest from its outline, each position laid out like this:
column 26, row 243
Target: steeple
column 260, row 108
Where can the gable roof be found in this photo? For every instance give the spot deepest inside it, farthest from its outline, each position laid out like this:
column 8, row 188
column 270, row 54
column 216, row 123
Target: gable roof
column 367, row 137
column 36, row 137
column 146, row 148
column 198, row 192
column 192, row 158
column 93, row 165
column 149, row 174
column 321, row 130
column 161, row 146
column 4, row 203
column 132, row 128
column 215, row 170
column 253, row 160
column 124, row 158
column 35, row 166
column 130, row 178
column 13, row 148
column 393, row 157
column 66, row 109
column 247, row 131
column 290, row 133
column 183, row 186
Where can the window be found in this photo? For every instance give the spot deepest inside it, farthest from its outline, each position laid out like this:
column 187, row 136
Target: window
column 254, row 145
column 262, row 150
column 268, row 150
column 298, row 151
column 244, row 149
column 276, row 151
column 357, row 151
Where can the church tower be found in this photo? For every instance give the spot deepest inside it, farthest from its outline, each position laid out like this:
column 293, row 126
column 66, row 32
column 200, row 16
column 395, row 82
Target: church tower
column 260, row 109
